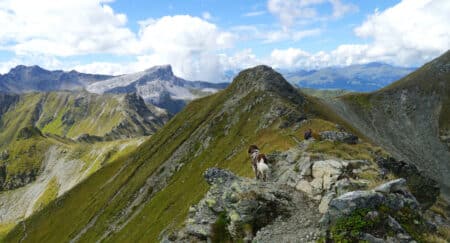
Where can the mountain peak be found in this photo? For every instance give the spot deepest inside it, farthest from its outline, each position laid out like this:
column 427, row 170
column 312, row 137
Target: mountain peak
column 262, row 78
column 23, row 68
column 161, row 69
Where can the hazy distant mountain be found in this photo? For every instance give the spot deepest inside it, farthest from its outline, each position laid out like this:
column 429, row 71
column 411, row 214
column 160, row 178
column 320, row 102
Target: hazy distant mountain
column 22, row 79
column 159, row 86
column 361, row 77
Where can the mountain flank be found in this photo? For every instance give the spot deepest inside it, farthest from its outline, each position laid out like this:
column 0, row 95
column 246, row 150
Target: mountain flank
column 409, row 118
column 49, row 142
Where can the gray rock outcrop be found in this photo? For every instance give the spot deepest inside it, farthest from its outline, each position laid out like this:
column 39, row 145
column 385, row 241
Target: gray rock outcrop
column 343, row 137
column 387, row 213
column 246, row 204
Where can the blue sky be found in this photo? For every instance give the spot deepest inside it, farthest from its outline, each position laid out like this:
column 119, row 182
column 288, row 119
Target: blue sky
column 202, row 39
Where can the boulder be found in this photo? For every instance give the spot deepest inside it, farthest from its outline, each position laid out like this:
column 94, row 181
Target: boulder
column 425, row 189
column 323, row 206
column 392, row 186
column 342, row 137
column 346, row 204
column 387, row 213
column 347, row 185
column 216, row 175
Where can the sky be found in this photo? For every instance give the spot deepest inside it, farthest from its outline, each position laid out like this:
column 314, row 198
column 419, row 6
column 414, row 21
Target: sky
column 203, row 39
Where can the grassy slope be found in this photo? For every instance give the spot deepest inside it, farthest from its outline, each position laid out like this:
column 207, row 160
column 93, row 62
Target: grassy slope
column 62, row 114
column 90, row 114
column 408, row 116
column 432, row 79
column 107, row 192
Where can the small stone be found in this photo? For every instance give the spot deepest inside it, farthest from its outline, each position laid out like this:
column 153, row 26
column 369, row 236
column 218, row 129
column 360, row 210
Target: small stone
column 392, row 186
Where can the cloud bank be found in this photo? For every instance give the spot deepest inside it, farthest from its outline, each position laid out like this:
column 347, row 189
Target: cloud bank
column 49, row 32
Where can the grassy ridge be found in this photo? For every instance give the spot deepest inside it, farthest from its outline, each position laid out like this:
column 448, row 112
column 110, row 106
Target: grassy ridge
column 212, row 131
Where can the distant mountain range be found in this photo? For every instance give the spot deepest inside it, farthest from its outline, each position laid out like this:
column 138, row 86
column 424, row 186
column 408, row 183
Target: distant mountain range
column 361, row 77
column 157, row 85
column 23, row 79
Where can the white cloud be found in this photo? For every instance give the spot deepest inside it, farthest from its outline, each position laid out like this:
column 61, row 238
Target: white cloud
column 44, row 32
column 282, row 35
column 341, row 9
column 291, row 11
column 79, row 27
column 189, row 43
column 207, row 15
column 62, row 28
column 106, row 68
column 287, row 57
column 408, row 33
column 271, row 35
column 44, row 61
column 240, row 60
column 254, row 13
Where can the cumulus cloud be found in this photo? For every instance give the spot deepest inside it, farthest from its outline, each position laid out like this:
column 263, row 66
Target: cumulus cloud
column 288, row 57
column 291, row 11
column 408, row 33
column 62, row 28
column 189, row 43
column 79, row 27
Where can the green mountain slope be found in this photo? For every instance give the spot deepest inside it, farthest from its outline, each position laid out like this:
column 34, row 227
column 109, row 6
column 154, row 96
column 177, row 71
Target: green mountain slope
column 49, row 142
column 137, row 197
column 32, row 119
column 410, row 118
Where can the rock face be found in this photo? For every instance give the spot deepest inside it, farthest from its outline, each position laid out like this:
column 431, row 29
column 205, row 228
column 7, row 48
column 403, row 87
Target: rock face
column 321, row 180
column 247, row 205
column 343, row 137
column 387, row 213
column 17, row 180
column 425, row 189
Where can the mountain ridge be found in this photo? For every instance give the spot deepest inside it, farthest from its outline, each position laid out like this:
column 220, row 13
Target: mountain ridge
column 409, row 117
column 210, row 131
column 22, row 79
